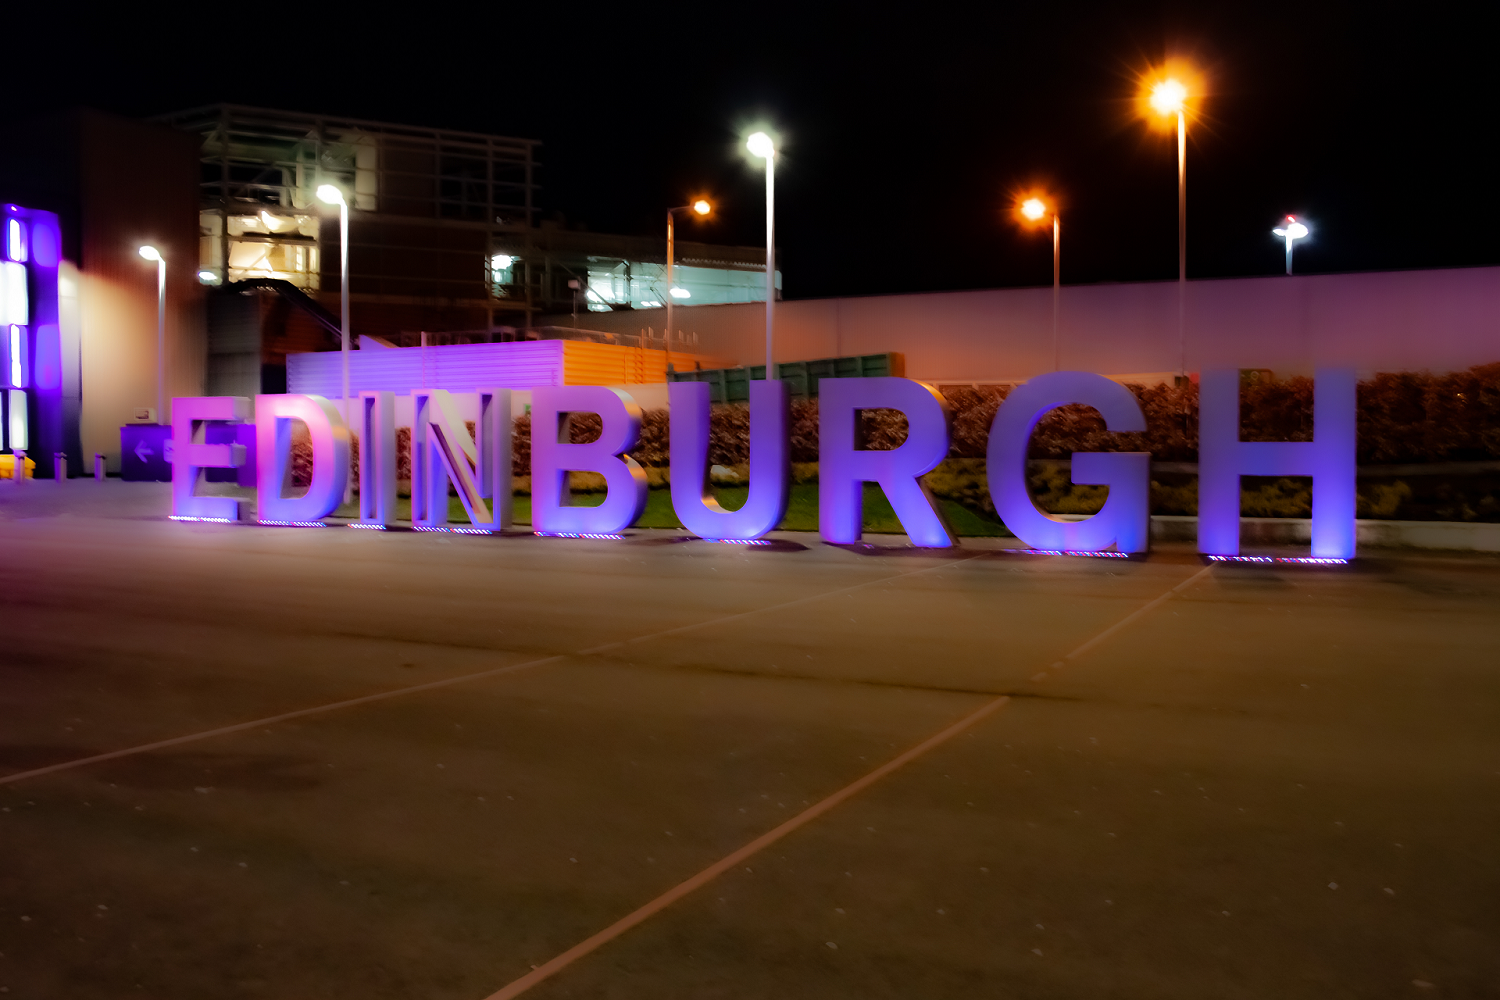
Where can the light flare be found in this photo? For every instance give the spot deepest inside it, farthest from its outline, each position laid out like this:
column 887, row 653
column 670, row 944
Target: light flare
column 1165, row 92
column 1034, row 208
column 1168, row 96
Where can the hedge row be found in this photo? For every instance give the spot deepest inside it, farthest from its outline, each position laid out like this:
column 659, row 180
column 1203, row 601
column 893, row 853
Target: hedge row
column 1404, row 417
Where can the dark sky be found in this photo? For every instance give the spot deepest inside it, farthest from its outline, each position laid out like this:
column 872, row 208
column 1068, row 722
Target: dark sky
column 905, row 128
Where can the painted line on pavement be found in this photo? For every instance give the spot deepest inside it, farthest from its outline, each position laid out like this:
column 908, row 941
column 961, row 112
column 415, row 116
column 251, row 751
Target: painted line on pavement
column 631, row 920
column 302, row 713
column 1123, row 622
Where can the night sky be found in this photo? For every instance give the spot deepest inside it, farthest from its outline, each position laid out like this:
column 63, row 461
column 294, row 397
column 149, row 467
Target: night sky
column 905, row 128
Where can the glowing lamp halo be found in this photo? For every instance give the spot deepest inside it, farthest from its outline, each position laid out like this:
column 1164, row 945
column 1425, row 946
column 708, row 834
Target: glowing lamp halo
column 1166, row 91
column 1292, row 228
column 1034, row 208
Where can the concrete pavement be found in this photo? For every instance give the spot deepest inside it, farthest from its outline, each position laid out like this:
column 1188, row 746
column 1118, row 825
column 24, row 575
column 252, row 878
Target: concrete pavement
column 1268, row 782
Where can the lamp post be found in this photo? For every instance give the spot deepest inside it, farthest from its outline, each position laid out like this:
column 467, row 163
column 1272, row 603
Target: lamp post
column 1034, row 211
column 1168, row 97
column 702, row 207
column 331, row 195
column 152, row 253
column 1291, row 230
column 760, row 145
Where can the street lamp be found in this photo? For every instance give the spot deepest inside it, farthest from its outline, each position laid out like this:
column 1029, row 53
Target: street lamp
column 760, row 145
column 1034, row 211
column 151, row 253
column 1168, row 95
column 331, row 195
column 701, row 207
column 1291, row 230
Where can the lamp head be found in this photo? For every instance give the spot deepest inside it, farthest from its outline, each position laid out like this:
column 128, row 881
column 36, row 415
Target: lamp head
column 1168, row 96
column 150, row 252
column 1291, row 229
column 761, row 145
column 1170, row 93
column 702, row 207
column 331, row 195
column 1033, row 208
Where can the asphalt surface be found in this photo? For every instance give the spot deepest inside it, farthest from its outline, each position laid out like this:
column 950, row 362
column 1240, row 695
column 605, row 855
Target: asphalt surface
column 1237, row 781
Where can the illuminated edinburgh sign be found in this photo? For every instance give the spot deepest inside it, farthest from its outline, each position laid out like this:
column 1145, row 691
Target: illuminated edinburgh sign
column 479, row 466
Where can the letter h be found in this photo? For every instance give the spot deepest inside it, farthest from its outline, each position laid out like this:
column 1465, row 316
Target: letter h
column 1329, row 459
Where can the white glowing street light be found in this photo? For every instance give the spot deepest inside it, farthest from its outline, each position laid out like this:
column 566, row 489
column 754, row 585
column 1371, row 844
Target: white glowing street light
column 701, row 207
column 760, row 145
column 1291, row 230
column 150, row 252
column 331, row 195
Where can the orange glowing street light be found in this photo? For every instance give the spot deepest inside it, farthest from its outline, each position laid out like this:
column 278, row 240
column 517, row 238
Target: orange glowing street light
column 1034, row 210
column 700, row 207
column 1166, row 96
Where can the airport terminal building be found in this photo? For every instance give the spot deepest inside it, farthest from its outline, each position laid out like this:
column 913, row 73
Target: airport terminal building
column 457, row 281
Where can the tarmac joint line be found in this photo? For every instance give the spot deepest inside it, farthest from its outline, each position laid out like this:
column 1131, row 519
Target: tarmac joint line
column 379, row 696
column 547, row 970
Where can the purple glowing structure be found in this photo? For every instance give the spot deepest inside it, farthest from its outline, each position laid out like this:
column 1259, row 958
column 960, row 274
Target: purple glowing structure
column 191, row 416
column 1329, row 459
column 492, row 443
column 553, row 456
column 844, row 468
column 273, row 454
column 770, row 471
column 41, row 363
column 442, row 450
column 377, row 458
column 1125, row 519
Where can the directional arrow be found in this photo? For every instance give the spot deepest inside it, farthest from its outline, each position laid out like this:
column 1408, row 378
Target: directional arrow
column 142, row 452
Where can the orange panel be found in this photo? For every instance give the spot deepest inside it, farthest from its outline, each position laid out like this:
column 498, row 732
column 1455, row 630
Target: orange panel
column 586, row 363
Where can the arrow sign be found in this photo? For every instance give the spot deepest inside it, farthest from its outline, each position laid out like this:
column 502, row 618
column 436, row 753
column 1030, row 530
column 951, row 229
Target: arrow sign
column 142, row 452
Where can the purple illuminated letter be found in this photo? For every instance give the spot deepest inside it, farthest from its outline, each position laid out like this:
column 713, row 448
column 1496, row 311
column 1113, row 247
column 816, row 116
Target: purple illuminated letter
column 492, row 442
column 190, row 455
column 1125, row 519
column 442, row 450
column 273, row 456
column 1329, row 459
column 553, row 456
column 377, row 458
column 769, row 472
column 843, row 469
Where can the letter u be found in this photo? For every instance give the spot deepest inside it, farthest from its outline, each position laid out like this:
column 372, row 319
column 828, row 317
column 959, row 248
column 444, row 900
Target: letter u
column 692, row 499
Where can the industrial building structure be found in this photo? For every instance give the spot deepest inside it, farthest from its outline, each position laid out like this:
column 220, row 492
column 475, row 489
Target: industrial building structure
column 444, row 232
column 446, row 253
column 447, row 247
